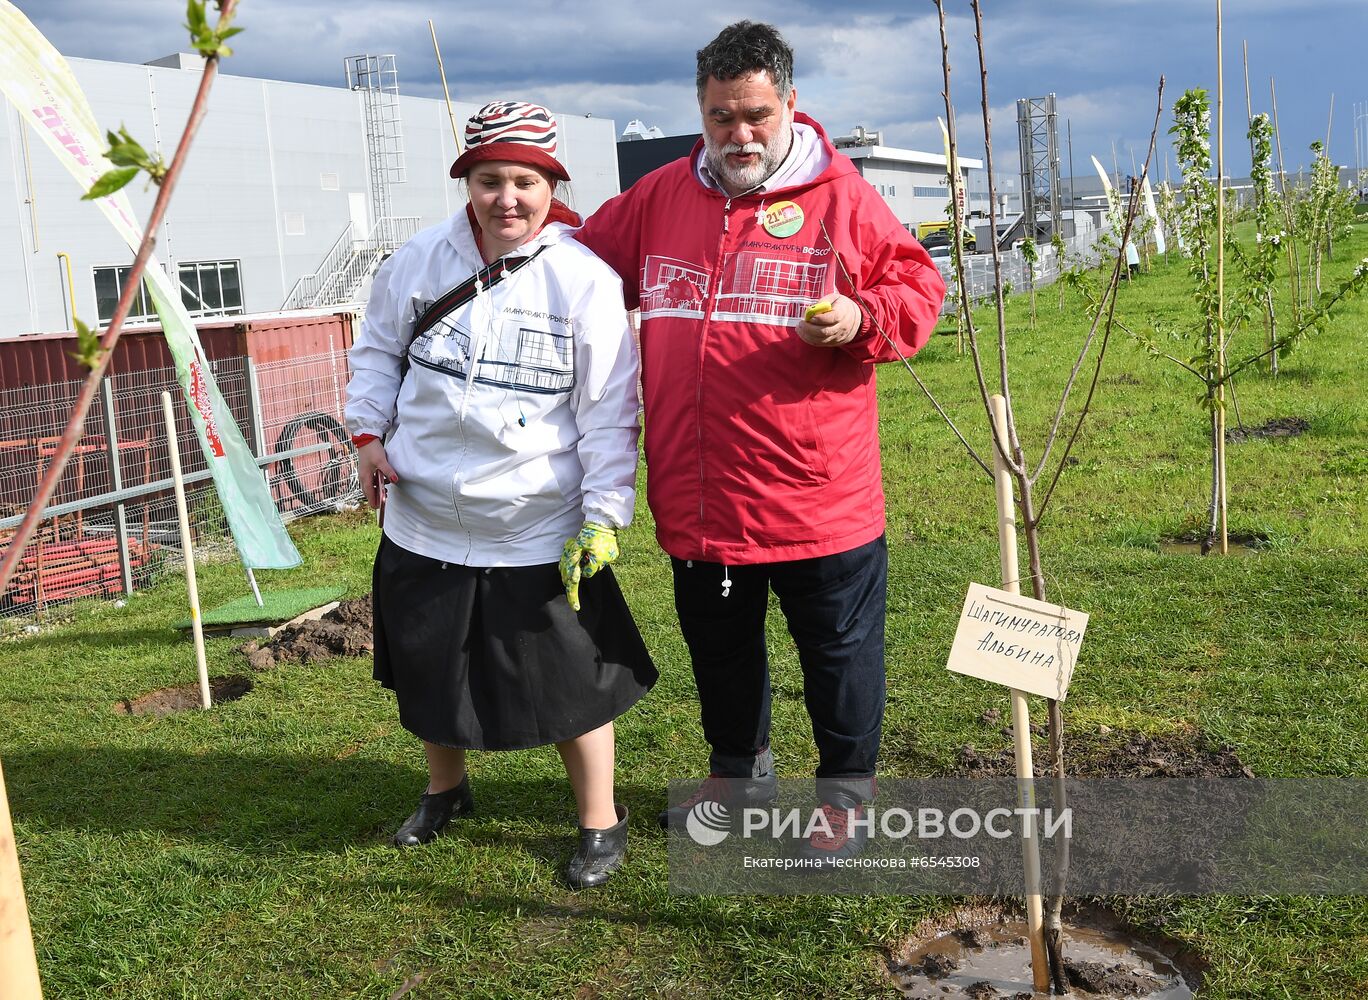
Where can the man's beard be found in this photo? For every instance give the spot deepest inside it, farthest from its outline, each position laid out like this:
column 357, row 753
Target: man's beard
column 743, row 178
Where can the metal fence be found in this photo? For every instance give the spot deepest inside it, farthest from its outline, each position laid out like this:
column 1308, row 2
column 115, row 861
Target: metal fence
column 978, row 267
column 111, row 524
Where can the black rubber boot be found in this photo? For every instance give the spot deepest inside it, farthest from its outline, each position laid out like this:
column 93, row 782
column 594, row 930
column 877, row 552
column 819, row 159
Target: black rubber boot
column 599, row 854
column 434, row 812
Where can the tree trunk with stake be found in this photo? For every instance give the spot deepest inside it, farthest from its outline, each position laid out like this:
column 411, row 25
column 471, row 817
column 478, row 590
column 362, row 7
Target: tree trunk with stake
column 1007, row 447
column 1220, row 281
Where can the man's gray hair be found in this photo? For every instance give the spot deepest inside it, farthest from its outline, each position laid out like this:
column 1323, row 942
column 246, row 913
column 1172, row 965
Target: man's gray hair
column 747, row 47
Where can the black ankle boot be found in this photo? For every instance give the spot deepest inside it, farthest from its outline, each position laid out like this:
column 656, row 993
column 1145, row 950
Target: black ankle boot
column 599, row 854
column 434, row 812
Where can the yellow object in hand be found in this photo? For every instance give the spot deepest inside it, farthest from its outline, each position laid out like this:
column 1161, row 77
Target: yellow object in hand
column 816, row 309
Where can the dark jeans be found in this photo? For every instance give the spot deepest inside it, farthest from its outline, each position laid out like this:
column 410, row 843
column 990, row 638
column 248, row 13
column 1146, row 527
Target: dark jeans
column 834, row 606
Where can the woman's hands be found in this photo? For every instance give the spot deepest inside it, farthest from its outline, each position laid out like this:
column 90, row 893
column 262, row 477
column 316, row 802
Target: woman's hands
column 370, row 458
column 584, row 555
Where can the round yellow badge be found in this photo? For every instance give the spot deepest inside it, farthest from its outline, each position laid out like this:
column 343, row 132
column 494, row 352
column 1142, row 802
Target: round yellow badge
column 783, row 218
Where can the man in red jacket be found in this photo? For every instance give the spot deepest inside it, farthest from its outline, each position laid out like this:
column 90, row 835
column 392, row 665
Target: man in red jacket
column 761, row 421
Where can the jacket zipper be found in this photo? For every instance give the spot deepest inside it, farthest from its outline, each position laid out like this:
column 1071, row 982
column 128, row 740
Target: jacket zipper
column 702, row 355
column 476, row 349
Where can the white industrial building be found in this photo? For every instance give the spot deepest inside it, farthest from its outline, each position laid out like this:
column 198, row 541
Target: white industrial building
column 291, row 195
column 914, row 184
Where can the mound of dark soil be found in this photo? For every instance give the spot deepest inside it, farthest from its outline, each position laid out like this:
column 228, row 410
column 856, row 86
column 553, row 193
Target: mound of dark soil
column 344, row 631
column 1110, row 980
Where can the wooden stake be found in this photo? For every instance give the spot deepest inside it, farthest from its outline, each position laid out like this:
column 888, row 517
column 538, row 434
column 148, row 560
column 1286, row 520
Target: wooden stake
column 1021, row 720
column 455, row 134
column 1249, row 104
column 183, row 516
column 18, row 962
column 1220, row 280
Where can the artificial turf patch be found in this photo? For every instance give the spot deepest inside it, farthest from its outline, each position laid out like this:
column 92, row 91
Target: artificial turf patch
column 278, row 606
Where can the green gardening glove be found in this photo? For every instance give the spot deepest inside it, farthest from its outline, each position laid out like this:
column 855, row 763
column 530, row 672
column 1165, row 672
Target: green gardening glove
column 584, row 555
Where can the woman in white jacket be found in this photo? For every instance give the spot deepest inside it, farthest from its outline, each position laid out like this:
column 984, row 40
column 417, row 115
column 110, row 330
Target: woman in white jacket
column 494, row 390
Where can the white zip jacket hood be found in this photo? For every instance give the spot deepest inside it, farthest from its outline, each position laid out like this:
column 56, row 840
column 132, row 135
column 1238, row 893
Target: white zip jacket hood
column 517, row 418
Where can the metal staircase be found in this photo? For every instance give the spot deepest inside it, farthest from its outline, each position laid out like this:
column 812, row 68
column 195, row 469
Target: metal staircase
column 343, row 273
column 341, row 278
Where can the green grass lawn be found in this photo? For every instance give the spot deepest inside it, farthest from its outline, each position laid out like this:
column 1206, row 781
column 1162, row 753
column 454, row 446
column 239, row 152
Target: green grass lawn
column 243, row 852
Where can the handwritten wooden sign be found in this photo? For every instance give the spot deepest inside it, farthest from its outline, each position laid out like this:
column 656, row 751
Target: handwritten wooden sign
column 1017, row 641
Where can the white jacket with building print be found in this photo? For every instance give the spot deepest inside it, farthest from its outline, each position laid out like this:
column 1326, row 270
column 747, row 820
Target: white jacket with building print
column 517, row 417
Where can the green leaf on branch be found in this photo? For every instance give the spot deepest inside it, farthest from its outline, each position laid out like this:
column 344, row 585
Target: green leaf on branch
column 127, row 153
column 197, row 23
column 124, row 150
column 208, row 39
column 110, row 182
column 88, row 350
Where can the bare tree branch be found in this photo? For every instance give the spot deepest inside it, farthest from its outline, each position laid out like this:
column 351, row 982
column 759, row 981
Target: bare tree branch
column 1011, row 450
column 971, row 332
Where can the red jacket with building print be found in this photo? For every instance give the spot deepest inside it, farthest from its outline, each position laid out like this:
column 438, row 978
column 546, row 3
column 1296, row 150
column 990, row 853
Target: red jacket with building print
column 759, row 447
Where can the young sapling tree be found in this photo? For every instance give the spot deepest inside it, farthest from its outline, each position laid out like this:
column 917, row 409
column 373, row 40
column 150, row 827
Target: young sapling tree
column 1211, row 335
column 1006, row 444
column 1031, row 255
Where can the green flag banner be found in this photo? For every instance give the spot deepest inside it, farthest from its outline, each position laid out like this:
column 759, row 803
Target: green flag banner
column 38, row 81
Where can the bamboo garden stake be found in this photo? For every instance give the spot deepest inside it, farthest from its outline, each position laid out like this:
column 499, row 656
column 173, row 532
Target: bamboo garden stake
column 455, row 132
column 1021, row 720
column 197, row 626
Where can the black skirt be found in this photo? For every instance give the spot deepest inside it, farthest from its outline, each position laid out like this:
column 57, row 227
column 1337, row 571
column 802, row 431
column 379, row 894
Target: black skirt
column 495, row 659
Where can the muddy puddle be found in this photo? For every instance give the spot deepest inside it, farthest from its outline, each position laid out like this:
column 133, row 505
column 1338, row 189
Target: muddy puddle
column 991, row 958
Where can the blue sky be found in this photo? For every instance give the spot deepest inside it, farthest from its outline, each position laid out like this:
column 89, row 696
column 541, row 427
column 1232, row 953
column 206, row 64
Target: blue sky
column 875, row 64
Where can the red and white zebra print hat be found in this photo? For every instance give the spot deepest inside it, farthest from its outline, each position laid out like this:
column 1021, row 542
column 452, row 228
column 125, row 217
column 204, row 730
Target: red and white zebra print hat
column 512, row 131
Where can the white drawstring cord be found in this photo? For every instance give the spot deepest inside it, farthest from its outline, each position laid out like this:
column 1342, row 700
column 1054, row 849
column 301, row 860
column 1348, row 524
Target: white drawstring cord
column 726, row 577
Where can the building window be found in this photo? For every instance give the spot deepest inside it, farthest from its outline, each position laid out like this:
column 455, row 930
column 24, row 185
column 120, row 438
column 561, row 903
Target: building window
column 892, row 191
column 931, row 192
column 211, row 288
column 109, row 282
